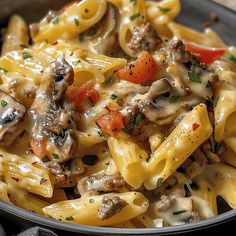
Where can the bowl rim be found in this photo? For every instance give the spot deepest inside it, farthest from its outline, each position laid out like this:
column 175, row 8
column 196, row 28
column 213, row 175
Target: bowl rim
column 49, row 222
column 15, row 211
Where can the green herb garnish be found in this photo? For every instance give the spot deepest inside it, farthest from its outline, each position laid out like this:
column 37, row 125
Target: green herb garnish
column 230, row 57
column 76, row 63
column 125, row 130
column 135, row 16
column 159, row 181
column 81, row 37
column 55, row 156
column 164, row 9
column 76, row 22
column 138, row 119
column 71, row 54
column 23, row 46
column 213, row 101
column 113, row 96
column 179, row 212
column 90, row 102
column 209, row 84
column 27, row 55
column 193, row 77
column 45, row 158
column 55, row 20
column 174, row 99
column 92, row 32
column 3, row 103
column 110, row 80
column 69, row 218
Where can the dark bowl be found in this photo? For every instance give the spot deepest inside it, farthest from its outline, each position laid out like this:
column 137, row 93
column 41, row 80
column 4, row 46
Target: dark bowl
column 194, row 14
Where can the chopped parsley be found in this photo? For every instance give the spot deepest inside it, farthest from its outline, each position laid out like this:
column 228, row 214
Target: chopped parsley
column 159, row 181
column 113, row 96
column 209, row 84
column 23, row 46
column 3, row 103
column 179, row 212
column 71, row 54
column 192, row 75
column 27, row 55
column 213, row 101
column 69, row 218
column 76, row 63
column 55, row 156
column 230, row 57
column 138, row 119
column 125, row 130
column 76, row 22
column 45, row 158
column 90, row 102
column 55, row 20
column 133, row 1
column 110, row 80
column 92, row 32
column 164, row 9
column 135, row 16
column 174, row 99
column 81, row 37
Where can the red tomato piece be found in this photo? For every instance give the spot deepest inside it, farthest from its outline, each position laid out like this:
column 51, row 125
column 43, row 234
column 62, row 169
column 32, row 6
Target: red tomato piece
column 83, row 96
column 208, row 55
column 140, row 70
column 39, row 147
column 195, row 126
column 111, row 123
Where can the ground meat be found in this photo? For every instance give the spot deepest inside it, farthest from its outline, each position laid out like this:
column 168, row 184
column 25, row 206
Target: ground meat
column 110, row 206
column 178, row 52
column 209, row 153
column 64, row 171
column 144, row 38
column 97, row 184
column 165, row 202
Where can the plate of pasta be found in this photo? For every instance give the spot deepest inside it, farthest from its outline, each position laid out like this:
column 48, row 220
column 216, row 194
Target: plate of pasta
column 113, row 114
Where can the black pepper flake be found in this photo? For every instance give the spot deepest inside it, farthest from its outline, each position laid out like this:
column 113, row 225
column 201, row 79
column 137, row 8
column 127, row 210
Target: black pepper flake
column 45, row 159
column 16, row 179
column 91, row 200
column 42, row 181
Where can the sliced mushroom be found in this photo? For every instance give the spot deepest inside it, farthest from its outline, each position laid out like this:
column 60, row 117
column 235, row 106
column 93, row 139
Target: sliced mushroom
column 97, row 184
column 101, row 37
column 66, row 170
column 12, row 115
column 52, row 122
column 110, row 206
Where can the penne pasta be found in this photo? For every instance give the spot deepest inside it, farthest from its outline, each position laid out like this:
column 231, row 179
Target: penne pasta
column 84, row 210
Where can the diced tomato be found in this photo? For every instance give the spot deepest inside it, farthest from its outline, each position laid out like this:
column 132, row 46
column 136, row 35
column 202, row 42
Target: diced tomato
column 144, row 68
column 208, row 55
column 195, row 126
column 83, row 96
column 66, row 6
column 111, row 123
column 38, row 147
